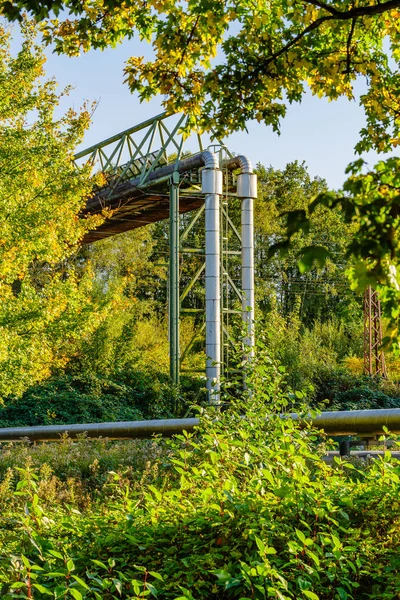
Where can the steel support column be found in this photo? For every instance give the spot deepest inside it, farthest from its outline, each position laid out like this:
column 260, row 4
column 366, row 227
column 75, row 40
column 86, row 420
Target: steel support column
column 173, row 304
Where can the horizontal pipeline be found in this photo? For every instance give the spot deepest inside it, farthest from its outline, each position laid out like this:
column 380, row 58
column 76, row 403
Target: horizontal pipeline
column 364, row 423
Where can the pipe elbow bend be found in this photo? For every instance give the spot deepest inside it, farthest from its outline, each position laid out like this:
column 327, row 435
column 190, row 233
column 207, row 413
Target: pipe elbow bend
column 210, row 160
column 241, row 162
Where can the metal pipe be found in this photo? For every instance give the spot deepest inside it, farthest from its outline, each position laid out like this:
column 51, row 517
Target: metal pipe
column 247, row 191
column 112, row 431
column 354, row 422
column 173, row 304
column 365, row 423
column 126, row 188
column 212, row 188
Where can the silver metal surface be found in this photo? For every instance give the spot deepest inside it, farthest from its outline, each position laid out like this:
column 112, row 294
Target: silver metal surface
column 247, row 191
column 212, row 188
column 365, row 423
column 112, row 431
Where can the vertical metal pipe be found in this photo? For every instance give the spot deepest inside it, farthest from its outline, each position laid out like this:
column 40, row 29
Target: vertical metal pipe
column 247, row 190
column 173, row 303
column 212, row 188
column 248, row 273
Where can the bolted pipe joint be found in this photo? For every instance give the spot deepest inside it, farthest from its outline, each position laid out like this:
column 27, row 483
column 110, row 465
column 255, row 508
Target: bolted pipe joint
column 247, row 185
column 211, row 176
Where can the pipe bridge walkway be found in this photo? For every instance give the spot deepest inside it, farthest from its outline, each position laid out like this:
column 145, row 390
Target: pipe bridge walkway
column 147, row 177
column 137, row 166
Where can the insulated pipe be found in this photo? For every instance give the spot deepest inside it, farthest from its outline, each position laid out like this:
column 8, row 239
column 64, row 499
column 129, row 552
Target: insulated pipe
column 363, row 423
column 112, row 431
column 212, row 188
column 162, row 174
column 173, row 272
column 247, row 191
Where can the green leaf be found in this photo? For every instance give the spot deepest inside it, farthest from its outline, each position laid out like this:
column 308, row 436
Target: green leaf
column 301, row 536
column 56, row 554
column 99, row 564
column 70, row 565
column 81, row 582
column 260, row 544
column 42, row 589
column 311, row 255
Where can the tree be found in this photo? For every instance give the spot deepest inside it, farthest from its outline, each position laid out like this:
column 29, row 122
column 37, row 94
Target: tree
column 269, row 53
column 46, row 305
column 318, row 294
column 370, row 205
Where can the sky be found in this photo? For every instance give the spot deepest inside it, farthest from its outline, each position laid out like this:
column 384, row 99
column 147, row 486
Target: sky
column 321, row 133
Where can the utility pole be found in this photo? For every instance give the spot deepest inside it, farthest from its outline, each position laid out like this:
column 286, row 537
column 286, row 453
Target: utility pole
column 374, row 359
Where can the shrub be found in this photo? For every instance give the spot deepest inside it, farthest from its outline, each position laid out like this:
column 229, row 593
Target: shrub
column 243, row 508
column 83, row 463
column 129, row 396
column 340, row 390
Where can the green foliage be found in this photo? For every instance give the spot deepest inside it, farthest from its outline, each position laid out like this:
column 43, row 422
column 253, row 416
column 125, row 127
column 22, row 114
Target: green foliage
column 242, row 508
column 268, row 55
column 128, row 396
column 321, row 293
column 46, row 305
column 77, row 470
column 370, row 205
column 310, row 354
column 68, row 399
column 343, row 391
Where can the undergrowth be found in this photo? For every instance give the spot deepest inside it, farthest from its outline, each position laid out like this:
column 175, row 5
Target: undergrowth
column 244, row 508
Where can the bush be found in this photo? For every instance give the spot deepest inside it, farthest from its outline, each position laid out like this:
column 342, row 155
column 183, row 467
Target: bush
column 242, row 508
column 338, row 389
column 68, row 399
column 83, row 463
column 129, row 396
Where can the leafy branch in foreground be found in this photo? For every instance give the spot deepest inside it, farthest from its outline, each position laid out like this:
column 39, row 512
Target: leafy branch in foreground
column 269, row 54
column 243, row 508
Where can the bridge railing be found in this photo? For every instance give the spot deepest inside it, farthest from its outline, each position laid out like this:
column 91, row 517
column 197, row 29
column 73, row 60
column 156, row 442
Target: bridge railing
column 140, row 150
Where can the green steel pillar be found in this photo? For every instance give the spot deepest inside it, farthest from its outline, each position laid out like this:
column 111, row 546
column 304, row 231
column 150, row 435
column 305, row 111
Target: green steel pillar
column 174, row 300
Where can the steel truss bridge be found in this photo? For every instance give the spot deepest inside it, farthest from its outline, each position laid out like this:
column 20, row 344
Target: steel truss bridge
column 151, row 173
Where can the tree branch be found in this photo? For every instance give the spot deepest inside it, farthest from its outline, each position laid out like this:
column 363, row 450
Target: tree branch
column 190, row 37
column 348, row 48
column 299, row 37
column 358, row 11
column 334, row 14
